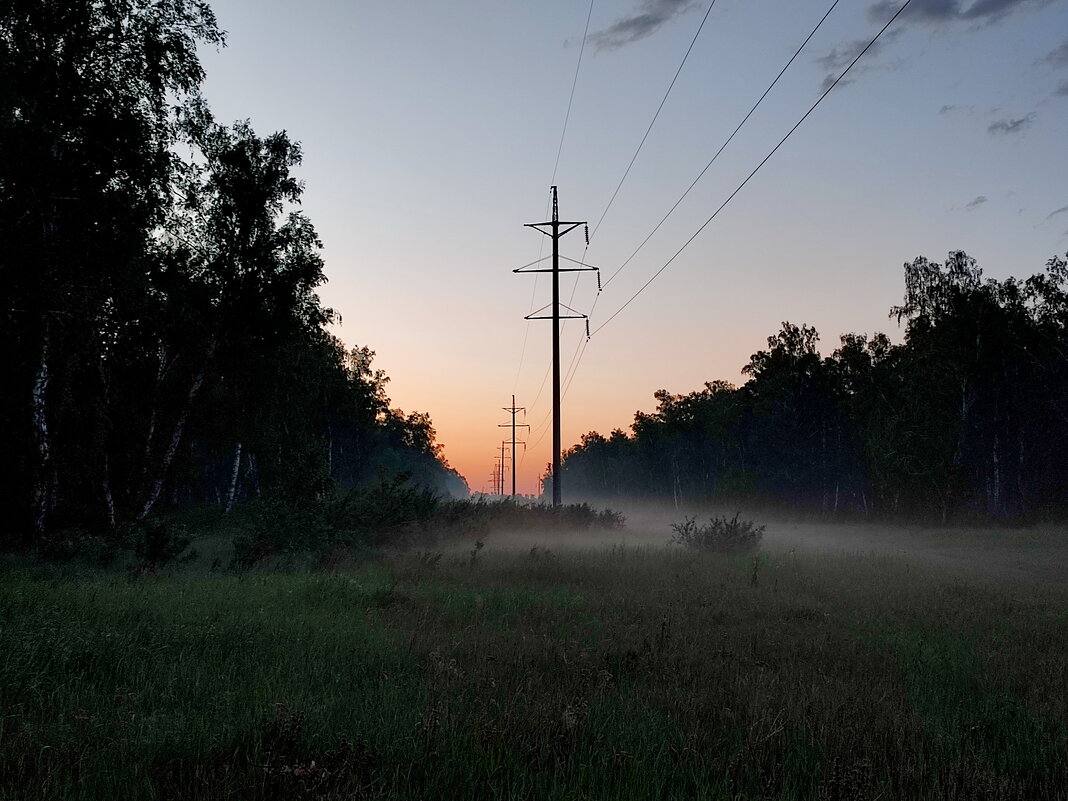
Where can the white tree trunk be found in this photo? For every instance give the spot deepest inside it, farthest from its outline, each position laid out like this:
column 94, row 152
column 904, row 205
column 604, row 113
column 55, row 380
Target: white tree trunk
column 231, row 493
column 43, row 488
column 161, row 372
column 109, row 500
column 172, row 448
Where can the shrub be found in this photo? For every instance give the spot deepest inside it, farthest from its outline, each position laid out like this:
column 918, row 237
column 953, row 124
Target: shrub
column 380, row 513
column 78, row 545
column 719, row 534
column 391, row 513
column 158, row 542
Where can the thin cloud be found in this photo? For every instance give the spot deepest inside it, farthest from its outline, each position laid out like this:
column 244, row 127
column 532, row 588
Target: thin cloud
column 1053, row 214
column 652, row 15
column 936, row 12
column 1062, row 90
column 979, row 201
column 946, row 109
column 842, row 56
column 1010, row 126
column 1058, row 57
column 927, row 12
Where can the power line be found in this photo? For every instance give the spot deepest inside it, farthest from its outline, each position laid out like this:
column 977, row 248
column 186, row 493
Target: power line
column 574, row 83
column 572, row 369
column 556, row 166
column 722, row 147
column 581, row 350
column 653, row 120
column 533, row 296
column 563, row 325
column 756, row 169
column 577, row 357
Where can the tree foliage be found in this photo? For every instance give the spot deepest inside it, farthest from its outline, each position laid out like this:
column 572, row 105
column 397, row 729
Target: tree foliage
column 964, row 419
column 164, row 339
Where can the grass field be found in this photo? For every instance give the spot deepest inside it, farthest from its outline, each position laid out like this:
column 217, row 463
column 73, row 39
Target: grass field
column 634, row 671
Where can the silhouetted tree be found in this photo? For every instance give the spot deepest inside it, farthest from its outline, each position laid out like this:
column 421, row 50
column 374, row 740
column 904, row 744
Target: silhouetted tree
column 163, row 337
column 966, row 418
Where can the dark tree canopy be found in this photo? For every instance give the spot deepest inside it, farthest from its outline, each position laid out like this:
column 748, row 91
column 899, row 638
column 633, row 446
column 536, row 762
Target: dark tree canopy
column 966, row 419
column 164, row 341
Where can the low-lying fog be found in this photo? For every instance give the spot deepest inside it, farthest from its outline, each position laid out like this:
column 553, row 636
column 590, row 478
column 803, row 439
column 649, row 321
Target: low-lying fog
column 1032, row 555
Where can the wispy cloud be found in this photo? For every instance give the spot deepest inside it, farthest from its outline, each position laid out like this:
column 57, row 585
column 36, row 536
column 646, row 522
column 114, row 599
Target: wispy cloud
column 1054, row 213
column 979, row 201
column 1010, row 126
column 935, row 12
column 842, row 56
column 650, row 17
column 1062, row 90
column 924, row 12
column 1058, row 57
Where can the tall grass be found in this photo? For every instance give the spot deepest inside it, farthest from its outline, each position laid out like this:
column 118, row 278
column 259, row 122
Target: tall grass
column 620, row 673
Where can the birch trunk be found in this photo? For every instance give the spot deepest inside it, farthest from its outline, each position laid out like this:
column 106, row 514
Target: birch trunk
column 109, row 499
column 172, row 447
column 43, row 484
column 151, row 434
column 231, row 493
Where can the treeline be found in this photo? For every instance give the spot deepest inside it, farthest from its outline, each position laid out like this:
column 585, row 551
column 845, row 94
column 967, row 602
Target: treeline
column 966, row 419
column 163, row 340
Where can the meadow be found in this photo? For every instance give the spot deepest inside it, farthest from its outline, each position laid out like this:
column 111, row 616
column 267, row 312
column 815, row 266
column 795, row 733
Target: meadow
column 544, row 668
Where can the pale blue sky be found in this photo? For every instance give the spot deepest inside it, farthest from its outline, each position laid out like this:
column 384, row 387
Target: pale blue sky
column 430, row 132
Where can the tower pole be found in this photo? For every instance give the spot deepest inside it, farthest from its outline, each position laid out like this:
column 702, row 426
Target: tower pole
column 513, row 410
column 555, row 228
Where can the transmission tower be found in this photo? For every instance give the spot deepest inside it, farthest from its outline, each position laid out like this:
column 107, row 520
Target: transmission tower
column 500, row 469
column 555, row 229
column 514, row 410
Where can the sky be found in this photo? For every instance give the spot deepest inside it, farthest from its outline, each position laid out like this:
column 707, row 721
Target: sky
column 433, row 131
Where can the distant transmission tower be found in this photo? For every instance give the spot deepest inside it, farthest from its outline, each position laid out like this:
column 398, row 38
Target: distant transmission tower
column 514, row 410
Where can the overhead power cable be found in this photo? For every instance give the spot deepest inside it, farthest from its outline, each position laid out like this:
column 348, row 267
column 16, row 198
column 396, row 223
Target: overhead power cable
column 556, row 166
column 580, row 348
column 533, row 299
column 626, row 172
column 571, row 99
column 652, row 122
column 756, row 169
column 726, row 142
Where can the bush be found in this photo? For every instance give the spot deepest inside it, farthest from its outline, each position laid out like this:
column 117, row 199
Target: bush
column 481, row 516
column 391, row 513
column 158, row 542
column 719, row 534
column 383, row 512
column 154, row 543
column 78, row 545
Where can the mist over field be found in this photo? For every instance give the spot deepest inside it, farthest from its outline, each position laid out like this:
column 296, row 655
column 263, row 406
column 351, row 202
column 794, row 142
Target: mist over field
column 1028, row 556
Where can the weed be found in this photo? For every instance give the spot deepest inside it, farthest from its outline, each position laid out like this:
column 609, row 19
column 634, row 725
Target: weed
column 479, row 545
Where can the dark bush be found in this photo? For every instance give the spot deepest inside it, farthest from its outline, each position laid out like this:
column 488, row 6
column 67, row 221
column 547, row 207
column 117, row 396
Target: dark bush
column 158, row 542
column 480, row 515
column 726, row 535
column 384, row 512
column 390, row 512
column 76, row 544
